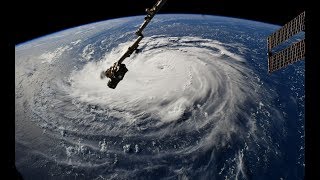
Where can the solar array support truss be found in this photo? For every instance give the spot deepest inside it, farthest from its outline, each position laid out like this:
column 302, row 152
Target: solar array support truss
column 291, row 54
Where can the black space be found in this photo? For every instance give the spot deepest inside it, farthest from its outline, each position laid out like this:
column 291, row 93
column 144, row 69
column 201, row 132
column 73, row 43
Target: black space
column 41, row 18
column 27, row 20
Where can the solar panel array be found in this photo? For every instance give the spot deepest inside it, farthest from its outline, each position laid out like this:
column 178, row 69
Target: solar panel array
column 287, row 56
column 290, row 54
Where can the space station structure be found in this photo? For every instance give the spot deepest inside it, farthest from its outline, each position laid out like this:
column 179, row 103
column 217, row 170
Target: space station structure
column 291, row 54
column 117, row 71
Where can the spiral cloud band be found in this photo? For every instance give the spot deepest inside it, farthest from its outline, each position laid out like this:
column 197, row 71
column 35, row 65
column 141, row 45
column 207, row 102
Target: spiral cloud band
column 183, row 100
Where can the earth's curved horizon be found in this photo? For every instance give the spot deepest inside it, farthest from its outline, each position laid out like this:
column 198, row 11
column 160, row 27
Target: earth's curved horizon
column 196, row 103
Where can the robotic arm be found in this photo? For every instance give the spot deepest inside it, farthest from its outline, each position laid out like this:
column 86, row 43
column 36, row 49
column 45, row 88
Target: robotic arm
column 117, row 71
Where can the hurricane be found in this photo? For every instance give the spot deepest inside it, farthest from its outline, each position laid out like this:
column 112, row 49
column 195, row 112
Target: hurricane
column 189, row 107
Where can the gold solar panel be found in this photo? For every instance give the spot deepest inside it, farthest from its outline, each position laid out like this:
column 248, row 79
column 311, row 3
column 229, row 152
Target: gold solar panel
column 290, row 54
column 287, row 56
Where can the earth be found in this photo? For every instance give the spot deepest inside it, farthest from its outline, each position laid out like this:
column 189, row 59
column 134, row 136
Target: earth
column 196, row 103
